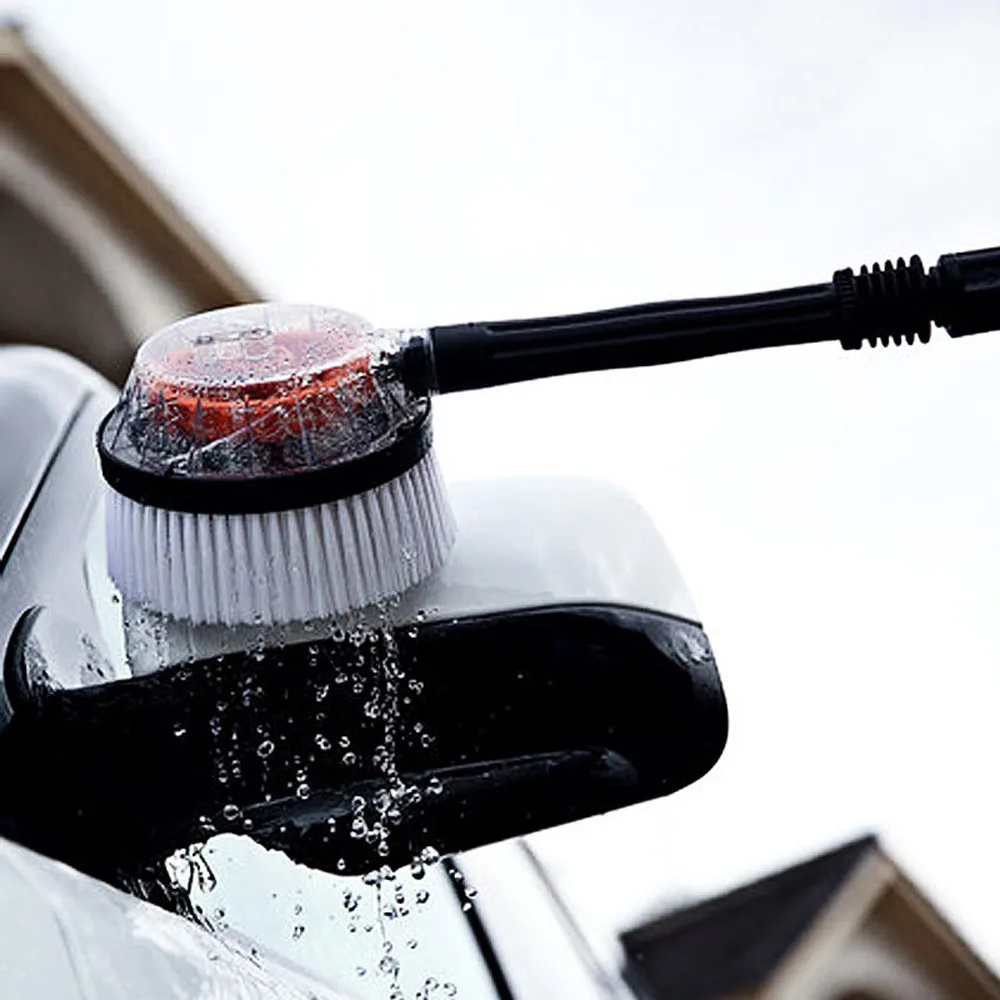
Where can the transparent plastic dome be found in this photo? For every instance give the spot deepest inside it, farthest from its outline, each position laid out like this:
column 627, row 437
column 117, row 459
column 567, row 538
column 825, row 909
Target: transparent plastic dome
column 261, row 390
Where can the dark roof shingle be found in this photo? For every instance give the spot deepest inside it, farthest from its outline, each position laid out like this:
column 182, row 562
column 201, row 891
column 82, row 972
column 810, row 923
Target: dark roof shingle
column 735, row 941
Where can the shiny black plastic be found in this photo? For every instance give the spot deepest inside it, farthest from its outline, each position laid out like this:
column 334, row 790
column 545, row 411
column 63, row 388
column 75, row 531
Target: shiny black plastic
column 497, row 726
column 893, row 303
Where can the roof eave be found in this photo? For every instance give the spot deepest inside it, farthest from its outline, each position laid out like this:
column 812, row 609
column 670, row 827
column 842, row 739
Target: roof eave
column 34, row 100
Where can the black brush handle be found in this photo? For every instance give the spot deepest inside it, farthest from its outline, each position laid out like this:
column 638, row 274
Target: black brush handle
column 895, row 302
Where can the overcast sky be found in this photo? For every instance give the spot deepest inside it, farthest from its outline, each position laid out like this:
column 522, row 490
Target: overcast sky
column 837, row 515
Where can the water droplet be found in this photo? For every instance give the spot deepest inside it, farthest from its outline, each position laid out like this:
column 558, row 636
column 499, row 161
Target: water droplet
column 426, row 740
column 331, row 822
column 302, row 791
column 422, row 896
column 179, row 730
column 434, row 786
column 297, row 931
column 322, row 742
column 248, row 823
column 383, row 848
column 264, row 749
column 218, row 914
column 361, row 970
column 450, row 989
column 429, row 856
column 231, row 812
column 350, row 758
column 341, row 865
column 297, row 909
column 471, row 892
column 388, row 965
column 344, row 741
column 351, row 901
column 412, row 943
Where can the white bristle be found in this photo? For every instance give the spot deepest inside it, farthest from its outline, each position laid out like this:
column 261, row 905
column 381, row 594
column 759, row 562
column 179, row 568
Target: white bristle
column 285, row 566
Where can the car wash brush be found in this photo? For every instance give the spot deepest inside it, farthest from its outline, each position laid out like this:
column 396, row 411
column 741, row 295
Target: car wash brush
column 272, row 464
column 267, row 464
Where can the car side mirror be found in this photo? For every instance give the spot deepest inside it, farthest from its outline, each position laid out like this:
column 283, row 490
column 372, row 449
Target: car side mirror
column 354, row 752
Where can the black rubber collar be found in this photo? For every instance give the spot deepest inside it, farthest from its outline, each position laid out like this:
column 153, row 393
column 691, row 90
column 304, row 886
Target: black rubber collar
column 265, row 494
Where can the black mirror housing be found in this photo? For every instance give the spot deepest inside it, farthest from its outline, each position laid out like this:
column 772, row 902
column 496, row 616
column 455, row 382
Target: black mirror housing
column 350, row 754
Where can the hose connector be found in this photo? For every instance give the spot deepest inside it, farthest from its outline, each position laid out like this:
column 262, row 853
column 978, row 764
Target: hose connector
column 897, row 302
column 883, row 304
column 968, row 291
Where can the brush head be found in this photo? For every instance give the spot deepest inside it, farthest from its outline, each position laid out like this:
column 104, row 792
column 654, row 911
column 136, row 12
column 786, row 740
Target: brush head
column 235, row 429
column 261, row 392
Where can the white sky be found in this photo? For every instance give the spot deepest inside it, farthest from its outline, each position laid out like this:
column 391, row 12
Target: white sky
column 836, row 514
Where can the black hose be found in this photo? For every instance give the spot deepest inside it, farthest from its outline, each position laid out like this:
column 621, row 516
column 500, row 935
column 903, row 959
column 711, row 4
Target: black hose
column 895, row 302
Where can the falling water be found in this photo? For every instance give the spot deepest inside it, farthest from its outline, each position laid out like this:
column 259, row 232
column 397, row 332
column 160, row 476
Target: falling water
column 360, row 663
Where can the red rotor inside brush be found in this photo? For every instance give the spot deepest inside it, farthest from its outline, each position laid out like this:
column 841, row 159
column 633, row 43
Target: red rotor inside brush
column 262, row 390
column 276, row 385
